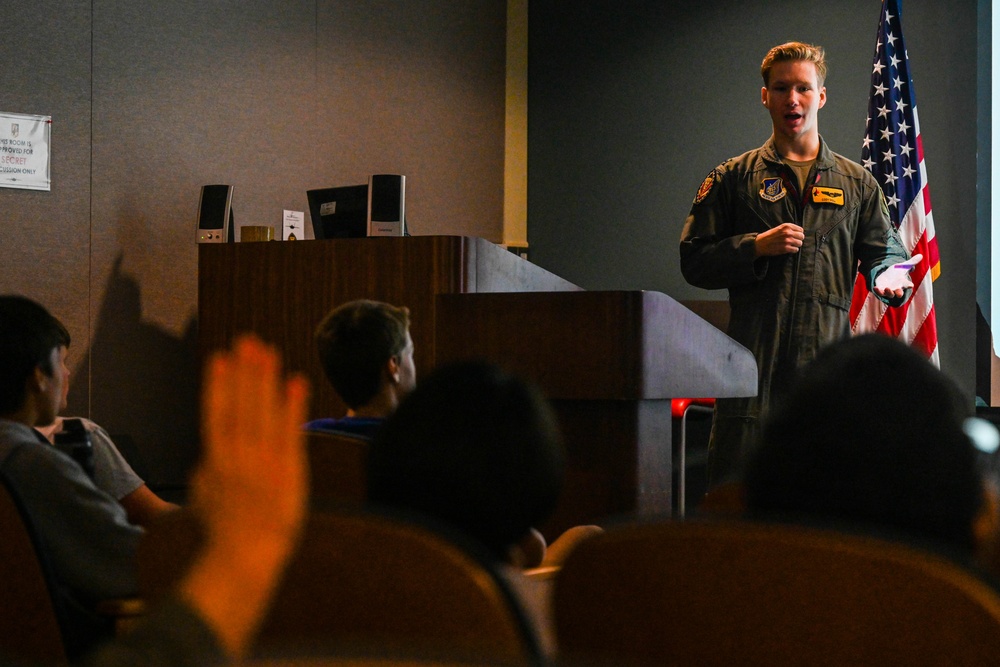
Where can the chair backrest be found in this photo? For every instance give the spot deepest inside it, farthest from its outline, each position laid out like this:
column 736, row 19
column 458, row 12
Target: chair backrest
column 742, row 593
column 337, row 465
column 29, row 627
column 362, row 581
column 723, row 500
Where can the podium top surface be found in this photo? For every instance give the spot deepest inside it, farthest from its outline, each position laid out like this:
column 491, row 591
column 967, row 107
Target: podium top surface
column 439, row 263
column 597, row 344
column 281, row 290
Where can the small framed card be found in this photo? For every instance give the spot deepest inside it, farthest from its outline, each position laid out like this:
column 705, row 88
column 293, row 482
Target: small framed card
column 293, row 226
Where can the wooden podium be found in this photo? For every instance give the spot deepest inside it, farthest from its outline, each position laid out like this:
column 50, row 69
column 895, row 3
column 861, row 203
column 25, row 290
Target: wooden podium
column 609, row 361
column 282, row 289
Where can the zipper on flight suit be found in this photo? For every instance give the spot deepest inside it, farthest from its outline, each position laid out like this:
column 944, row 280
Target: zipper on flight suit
column 793, row 186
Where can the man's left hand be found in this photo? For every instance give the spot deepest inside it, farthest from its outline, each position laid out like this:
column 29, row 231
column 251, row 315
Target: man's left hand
column 895, row 280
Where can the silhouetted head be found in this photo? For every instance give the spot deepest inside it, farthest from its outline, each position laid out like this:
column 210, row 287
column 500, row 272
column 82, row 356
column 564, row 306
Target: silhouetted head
column 357, row 341
column 474, row 447
column 30, row 339
column 870, row 432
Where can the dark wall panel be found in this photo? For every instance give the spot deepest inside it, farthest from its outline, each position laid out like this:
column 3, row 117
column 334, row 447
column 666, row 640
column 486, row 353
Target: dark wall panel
column 633, row 103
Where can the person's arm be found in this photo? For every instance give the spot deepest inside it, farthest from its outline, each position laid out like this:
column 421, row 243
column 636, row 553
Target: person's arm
column 88, row 539
column 715, row 251
column 143, row 506
column 114, row 475
column 877, row 243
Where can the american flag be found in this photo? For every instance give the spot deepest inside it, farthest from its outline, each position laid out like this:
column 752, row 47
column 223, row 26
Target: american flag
column 894, row 154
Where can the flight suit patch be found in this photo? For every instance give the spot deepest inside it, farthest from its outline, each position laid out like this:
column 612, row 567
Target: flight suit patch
column 772, row 189
column 706, row 187
column 825, row 195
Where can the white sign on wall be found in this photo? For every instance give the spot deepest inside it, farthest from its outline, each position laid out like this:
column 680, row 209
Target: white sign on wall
column 24, row 151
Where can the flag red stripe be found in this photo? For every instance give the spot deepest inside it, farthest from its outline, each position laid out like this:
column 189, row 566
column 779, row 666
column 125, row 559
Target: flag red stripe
column 858, row 298
column 894, row 319
column 924, row 248
column 926, row 338
column 932, row 254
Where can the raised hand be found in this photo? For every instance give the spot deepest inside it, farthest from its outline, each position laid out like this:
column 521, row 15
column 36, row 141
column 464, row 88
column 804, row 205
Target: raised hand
column 250, row 490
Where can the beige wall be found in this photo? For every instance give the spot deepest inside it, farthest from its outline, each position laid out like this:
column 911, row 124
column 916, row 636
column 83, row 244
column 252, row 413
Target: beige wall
column 150, row 101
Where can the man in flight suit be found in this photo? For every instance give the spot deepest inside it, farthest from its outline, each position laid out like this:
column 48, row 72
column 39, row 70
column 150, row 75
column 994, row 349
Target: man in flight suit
column 786, row 228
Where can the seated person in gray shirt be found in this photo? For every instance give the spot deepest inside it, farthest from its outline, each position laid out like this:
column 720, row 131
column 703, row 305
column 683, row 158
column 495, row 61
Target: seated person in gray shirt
column 249, row 491
column 112, row 473
column 84, row 533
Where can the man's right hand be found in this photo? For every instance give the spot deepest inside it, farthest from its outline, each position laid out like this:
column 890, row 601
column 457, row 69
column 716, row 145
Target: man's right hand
column 784, row 239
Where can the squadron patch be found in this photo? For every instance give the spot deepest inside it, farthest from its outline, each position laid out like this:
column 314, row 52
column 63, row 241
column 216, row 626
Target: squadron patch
column 772, row 189
column 825, row 195
column 706, row 187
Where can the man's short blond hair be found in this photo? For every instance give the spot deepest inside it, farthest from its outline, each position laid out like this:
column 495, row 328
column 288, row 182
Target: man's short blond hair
column 794, row 51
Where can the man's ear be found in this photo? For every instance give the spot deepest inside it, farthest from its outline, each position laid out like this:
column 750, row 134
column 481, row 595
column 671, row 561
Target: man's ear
column 38, row 381
column 392, row 368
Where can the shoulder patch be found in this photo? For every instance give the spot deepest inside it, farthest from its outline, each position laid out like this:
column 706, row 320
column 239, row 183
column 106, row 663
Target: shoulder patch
column 706, row 187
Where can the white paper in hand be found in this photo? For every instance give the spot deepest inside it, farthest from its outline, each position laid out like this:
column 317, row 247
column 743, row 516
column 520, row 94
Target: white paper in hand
column 897, row 276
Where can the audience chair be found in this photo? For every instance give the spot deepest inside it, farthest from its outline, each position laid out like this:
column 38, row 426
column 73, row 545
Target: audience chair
column 732, row 592
column 337, row 469
column 725, row 500
column 29, row 626
column 367, row 582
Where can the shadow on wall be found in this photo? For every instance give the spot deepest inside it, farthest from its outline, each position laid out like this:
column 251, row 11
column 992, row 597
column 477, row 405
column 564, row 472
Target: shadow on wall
column 144, row 387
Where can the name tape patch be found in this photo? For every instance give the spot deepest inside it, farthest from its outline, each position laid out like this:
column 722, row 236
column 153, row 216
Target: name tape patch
column 824, row 195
